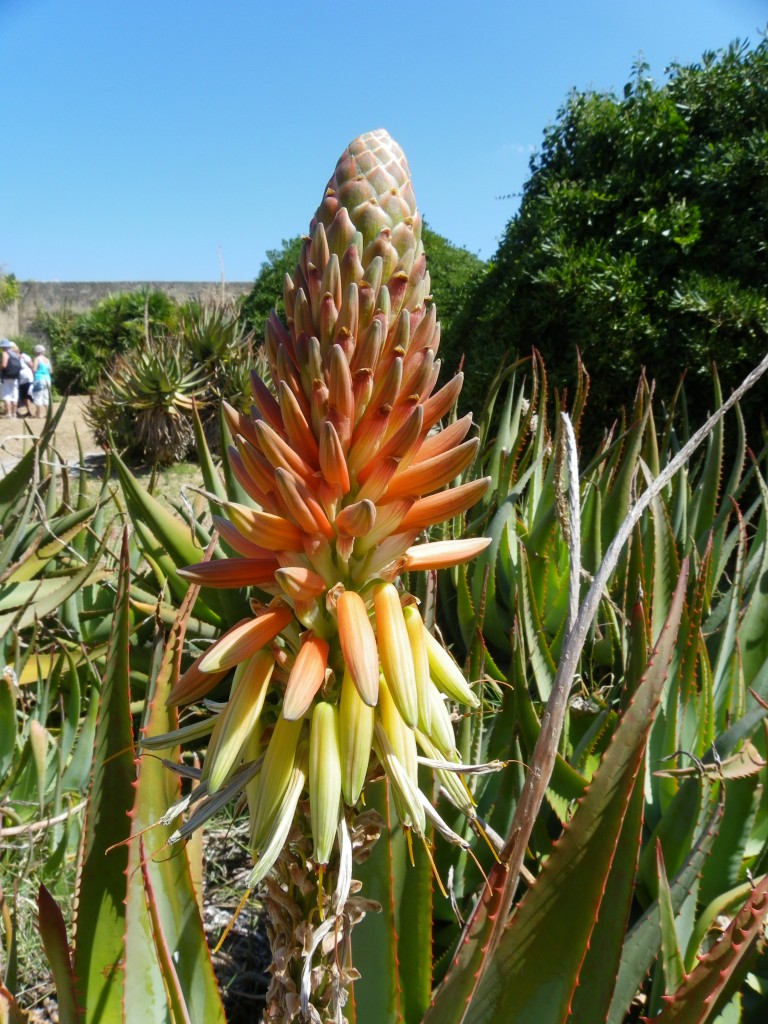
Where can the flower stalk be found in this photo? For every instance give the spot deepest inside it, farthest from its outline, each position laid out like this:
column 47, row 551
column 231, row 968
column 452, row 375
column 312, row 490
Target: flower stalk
column 346, row 464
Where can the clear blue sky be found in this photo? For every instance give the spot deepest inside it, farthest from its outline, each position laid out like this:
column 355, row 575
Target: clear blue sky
column 147, row 139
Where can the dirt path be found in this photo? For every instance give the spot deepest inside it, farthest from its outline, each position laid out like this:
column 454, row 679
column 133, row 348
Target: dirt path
column 72, row 424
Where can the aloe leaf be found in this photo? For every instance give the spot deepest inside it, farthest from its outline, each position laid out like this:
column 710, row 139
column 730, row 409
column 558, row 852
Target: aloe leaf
column 566, row 781
column 616, row 501
column 723, row 666
column 8, row 733
column 78, row 769
column 591, row 521
column 725, row 867
column 666, row 566
column 707, row 492
column 696, row 1000
column 753, row 629
column 38, row 743
column 53, row 933
column 538, row 653
column 393, row 949
column 211, row 477
column 597, row 975
column 10, row 1011
column 101, row 874
column 12, row 541
column 232, row 485
column 173, row 536
column 52, row 596
column 670, row 947
column 161, row 906
column 48, row 539
column 536, row 966
column 15, row 482
column 643, row 939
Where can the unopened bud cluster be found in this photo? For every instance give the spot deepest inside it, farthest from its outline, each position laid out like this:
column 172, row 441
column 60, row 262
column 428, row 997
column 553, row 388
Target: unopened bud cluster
column 345, row 464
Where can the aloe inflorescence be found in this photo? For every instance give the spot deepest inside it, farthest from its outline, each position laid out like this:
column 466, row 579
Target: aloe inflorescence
column 346, row 465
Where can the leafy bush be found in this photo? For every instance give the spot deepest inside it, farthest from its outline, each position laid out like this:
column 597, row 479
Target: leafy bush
column 9, row 290
column 145, row 397
column 640, row 240
column 81, row 344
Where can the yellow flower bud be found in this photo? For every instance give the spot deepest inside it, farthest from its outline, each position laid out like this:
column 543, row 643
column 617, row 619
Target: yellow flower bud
column 273, row 779
column 395, row 651
column 356, row 733
column 399, row 733
column 324, row 778
column 415, row 627
column 446, row 673
column 239, row 718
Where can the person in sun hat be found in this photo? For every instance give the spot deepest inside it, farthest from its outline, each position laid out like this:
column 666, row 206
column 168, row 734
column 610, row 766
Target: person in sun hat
column 10, row 368
column 41, row 385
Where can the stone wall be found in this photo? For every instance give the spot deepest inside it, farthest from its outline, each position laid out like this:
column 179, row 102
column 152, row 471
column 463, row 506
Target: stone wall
column 51, row 296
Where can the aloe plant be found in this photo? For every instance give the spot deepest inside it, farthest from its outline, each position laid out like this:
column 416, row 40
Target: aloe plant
column 706, row 713
column 53, row 560
column 318, row 675
column 140, row 947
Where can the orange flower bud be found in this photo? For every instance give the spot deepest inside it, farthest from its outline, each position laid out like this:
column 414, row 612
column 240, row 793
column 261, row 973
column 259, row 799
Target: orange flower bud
column 299, row 583
column 306, row 678
column 279, row 453
column 443, row 554
column 266, row 403
column 436, row 508
column 244, row 639
column 358, row 645
column 356, row 520
column 271, row 532
column 231, row 572
column 333, row 463
column 296, row 426
column 442, row 401
column 425, row 477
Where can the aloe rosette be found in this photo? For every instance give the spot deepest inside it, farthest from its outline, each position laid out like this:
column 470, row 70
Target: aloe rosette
column 346, row 465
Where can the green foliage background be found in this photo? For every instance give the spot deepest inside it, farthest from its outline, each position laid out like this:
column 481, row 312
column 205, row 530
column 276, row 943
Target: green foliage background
column 640, row 240
column 454, row 272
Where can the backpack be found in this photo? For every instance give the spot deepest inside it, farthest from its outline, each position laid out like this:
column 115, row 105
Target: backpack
column 13, row 367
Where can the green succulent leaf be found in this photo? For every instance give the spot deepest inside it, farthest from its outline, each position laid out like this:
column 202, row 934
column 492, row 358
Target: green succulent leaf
column 643, row 940
column 165, row 946
column 100, row 930
column 393, row 949
column 696, row 1000
column 536, row 968
column 53, row 933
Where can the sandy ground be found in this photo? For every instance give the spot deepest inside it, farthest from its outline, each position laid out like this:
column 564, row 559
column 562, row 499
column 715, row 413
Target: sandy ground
column 14, row 432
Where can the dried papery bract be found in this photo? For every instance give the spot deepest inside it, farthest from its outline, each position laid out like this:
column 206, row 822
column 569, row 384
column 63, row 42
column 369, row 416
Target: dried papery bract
column 347, row 464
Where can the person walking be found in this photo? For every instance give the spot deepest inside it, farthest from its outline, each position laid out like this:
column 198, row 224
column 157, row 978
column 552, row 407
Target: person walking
column 10, row 368
column 41, row 384
column 26, row 376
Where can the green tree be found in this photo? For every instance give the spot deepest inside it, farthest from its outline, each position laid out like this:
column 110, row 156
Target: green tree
column 640, row 239
column 9, row 290
column 453, row 270
column 267, row 290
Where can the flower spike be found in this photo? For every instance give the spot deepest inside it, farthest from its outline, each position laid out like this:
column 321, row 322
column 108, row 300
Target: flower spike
column 343, row 464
